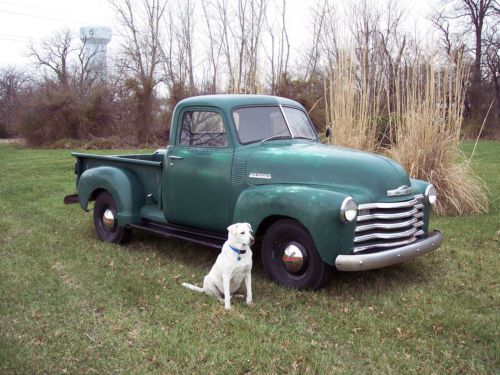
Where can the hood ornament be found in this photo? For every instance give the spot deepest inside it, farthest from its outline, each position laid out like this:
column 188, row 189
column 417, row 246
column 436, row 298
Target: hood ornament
column 402, row 190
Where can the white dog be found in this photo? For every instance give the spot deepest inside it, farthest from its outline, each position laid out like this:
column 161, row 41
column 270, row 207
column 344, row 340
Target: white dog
column 233, row 265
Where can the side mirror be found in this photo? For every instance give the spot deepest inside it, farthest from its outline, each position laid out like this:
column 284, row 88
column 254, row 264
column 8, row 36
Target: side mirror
column 329, row 133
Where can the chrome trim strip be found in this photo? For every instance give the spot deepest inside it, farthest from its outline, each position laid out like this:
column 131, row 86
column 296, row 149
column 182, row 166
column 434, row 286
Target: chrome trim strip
column 286, row 121
column 265, row 176
column 403, row 204
column 419, row 197
column 398, row 215
column 358, row 249
column 362, row 262
column 385, row 236
column 379, row 225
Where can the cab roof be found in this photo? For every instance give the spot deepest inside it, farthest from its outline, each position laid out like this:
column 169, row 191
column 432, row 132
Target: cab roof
column 228, row 102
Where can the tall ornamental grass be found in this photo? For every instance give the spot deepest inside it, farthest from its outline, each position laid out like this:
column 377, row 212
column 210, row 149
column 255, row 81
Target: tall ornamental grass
column 422, row 109
column 352, row 104
column 427, row 125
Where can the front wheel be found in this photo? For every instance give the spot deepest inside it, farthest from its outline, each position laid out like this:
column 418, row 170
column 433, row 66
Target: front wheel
column 106, row 220
column 290, row 258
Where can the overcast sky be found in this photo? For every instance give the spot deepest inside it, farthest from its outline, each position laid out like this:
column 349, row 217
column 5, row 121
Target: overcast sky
column 28, row 21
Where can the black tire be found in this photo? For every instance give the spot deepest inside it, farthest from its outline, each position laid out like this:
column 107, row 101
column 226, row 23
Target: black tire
column 107, row 231
column 310, row 272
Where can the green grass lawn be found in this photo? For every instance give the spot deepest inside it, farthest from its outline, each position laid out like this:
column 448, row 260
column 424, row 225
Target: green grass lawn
column 71, row 304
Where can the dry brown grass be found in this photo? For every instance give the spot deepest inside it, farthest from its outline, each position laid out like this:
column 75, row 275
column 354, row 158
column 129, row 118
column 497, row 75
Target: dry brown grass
column 352, row 108
column 424, row 129
column 427, row 126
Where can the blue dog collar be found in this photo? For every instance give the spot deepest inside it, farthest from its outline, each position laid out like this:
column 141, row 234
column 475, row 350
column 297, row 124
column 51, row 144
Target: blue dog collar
column 237, row 251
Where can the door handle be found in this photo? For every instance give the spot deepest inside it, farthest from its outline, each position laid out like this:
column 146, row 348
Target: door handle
column 174, row 157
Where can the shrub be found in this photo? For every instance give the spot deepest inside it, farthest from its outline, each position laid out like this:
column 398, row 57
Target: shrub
column 50, row 114
column 54, row 112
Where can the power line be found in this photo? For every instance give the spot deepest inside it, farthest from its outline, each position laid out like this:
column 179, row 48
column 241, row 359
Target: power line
column 49, row 10
column 14, row 38
column 42, row 17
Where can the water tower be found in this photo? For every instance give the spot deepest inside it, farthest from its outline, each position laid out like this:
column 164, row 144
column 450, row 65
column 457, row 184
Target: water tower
column 95, row 40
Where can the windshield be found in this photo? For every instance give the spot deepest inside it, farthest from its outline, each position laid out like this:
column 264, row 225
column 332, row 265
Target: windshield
column 299, row 123
column 254, row 124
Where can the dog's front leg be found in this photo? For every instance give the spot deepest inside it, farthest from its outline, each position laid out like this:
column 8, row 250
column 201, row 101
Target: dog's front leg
column 248, row 286
column 226, row 280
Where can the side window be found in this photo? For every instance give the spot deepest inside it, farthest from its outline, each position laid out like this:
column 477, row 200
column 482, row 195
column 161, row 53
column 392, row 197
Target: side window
column 202, row 129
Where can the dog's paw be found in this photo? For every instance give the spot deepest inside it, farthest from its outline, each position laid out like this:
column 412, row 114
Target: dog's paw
column 249, row 302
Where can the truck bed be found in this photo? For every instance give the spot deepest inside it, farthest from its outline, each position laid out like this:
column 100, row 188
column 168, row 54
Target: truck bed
column 148, row 169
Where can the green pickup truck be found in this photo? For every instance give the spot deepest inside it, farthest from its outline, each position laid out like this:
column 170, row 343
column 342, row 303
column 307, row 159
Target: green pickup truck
column 257, row 159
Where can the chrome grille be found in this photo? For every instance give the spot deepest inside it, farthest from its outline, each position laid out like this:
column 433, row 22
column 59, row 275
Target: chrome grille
column 386, row 225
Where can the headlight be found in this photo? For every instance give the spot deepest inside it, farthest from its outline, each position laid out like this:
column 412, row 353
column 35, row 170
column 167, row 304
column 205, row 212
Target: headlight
column 431, row 194
column 348, row 210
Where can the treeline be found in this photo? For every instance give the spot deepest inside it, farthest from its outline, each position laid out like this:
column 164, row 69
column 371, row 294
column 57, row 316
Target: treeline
column 178, row 48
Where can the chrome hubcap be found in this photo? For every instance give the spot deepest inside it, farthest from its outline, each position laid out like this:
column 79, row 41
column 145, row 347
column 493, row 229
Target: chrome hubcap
column 108, row 219
column 293, row 258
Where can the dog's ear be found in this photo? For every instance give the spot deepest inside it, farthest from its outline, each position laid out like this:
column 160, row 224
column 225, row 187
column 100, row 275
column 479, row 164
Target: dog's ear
column 232, row 228
column 249, row 226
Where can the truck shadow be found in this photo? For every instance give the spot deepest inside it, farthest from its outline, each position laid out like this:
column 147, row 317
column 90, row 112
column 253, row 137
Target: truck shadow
column 199, row 259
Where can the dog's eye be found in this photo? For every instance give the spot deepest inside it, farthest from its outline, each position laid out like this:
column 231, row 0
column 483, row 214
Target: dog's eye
column 242, row 233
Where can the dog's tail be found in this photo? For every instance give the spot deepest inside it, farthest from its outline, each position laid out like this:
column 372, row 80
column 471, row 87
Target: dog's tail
column 192, row 287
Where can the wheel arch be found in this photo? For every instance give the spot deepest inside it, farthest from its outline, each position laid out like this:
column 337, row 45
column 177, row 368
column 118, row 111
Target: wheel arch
column 316, row 209
column 122, row 184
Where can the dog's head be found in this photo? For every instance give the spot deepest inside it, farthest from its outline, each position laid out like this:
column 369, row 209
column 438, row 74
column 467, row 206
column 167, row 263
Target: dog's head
column 240, row 234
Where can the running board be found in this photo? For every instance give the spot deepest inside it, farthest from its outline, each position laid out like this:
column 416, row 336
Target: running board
column 198, row 236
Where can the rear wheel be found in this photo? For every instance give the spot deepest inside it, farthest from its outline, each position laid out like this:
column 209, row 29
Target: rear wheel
column 106, row 220
column 290, row 258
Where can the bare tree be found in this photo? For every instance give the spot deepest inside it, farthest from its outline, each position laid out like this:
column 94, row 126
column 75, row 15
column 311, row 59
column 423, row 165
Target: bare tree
column 54, row 55
column 279, row 54
column 323, row 17
column 214, row 49
column 178, row 51
column 492, row 60
column 238, row 26
column 12, row 84
column 141, row 22
column 474, row 18
column 86, row 72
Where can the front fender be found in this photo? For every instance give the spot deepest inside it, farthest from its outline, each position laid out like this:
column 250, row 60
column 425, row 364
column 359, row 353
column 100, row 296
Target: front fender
column 122, row 184
column 317, row 209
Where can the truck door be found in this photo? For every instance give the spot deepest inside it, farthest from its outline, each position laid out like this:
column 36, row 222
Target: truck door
column 198, row 171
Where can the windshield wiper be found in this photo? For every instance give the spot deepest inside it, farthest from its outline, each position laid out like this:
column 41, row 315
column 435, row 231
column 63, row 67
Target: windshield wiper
column 275, row 137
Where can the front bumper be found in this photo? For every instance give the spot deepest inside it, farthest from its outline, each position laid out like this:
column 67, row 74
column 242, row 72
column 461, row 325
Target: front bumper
column 363, row 262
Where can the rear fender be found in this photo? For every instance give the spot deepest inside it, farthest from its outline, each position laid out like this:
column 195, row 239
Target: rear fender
column 122, row 184
column 318, row 210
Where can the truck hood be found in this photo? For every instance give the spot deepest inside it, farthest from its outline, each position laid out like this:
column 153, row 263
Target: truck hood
column 365, row 176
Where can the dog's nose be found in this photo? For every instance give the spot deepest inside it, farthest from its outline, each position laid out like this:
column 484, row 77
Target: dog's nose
column 252, row 240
